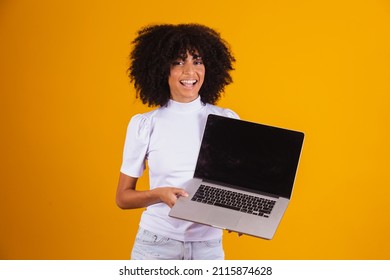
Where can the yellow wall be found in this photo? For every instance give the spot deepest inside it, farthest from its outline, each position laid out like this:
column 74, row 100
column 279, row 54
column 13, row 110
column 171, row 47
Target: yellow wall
column 322, row 67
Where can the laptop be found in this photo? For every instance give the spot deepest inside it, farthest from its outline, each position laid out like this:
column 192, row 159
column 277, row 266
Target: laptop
column 244, row 177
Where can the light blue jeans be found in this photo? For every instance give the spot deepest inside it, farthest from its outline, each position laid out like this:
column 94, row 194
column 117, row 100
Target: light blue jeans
column 151, row 246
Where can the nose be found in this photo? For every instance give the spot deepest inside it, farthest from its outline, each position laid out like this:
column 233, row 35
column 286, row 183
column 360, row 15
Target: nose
column 188, row 68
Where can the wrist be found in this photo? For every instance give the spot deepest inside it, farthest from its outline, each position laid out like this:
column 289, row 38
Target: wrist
column 153, row 195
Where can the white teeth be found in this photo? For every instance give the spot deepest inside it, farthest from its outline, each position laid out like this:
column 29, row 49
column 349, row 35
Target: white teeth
column 188, row 81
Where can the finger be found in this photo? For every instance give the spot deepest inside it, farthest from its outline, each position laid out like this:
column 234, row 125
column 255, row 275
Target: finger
column 175, row 196
column 238, row 233
column 181, row 192
column 171, row 202
column 184, row 193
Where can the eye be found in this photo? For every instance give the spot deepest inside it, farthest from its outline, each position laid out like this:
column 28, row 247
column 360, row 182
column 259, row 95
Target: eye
column 198, row 61
column 177, row 62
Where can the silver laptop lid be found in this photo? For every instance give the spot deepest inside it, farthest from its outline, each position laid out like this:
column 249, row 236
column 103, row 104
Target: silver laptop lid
column 257, row 157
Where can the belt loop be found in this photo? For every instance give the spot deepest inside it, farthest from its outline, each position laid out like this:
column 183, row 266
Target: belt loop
column 187, row 250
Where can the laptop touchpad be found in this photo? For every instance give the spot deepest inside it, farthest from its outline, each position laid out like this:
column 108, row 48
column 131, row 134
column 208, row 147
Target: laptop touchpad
column 223, row 219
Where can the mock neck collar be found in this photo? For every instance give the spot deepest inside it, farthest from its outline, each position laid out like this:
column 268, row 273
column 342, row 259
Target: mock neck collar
column 184, row 107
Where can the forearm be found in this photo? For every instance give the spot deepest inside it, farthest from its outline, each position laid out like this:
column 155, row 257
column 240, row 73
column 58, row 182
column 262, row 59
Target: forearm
column 127, row 197
column 132, row 199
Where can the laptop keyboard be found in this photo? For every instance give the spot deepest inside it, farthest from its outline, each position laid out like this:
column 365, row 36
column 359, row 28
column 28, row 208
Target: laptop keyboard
column 233, row 200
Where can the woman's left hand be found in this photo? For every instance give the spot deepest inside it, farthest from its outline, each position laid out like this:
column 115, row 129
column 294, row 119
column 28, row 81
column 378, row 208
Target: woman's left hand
column 238, row 233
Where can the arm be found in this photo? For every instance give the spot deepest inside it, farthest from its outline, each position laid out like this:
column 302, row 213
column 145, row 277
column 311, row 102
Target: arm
column 127, row 197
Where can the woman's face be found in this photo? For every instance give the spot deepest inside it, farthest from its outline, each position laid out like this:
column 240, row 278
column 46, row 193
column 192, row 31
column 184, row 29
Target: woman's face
column 186, row 77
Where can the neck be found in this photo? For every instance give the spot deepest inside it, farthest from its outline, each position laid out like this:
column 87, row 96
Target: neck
column 185, row 106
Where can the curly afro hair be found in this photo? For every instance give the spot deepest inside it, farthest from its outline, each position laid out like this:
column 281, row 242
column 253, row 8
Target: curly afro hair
column 157, row 46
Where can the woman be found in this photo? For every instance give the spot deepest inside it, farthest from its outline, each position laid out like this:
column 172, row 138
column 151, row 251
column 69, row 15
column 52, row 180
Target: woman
column 182, row 69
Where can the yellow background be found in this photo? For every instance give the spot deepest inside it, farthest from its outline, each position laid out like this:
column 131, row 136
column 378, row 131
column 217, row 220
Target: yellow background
column 322, row 67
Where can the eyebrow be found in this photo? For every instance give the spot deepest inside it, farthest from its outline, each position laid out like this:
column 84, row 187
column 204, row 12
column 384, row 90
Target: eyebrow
column 196, row 56
column 183, row 56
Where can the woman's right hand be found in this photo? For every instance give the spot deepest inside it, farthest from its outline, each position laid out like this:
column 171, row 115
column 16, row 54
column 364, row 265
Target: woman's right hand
column 127, row 197
column 169, row 195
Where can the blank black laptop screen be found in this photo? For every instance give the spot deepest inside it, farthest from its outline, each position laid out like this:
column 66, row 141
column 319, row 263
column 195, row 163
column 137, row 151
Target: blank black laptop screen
column 250, row 155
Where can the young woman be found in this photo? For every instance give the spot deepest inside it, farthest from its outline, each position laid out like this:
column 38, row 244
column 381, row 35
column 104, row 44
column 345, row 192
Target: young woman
column 181, row 69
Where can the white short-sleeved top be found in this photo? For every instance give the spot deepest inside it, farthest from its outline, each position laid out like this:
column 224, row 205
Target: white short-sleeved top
column 169, row 139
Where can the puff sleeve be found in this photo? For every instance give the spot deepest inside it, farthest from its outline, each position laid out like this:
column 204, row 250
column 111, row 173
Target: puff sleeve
column 230, row 113
column 136, row 146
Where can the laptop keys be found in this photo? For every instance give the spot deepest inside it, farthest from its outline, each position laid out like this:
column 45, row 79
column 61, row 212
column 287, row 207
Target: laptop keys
column 235, row 201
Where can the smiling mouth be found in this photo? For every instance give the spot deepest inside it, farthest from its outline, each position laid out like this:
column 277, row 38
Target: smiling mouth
column 188, row 83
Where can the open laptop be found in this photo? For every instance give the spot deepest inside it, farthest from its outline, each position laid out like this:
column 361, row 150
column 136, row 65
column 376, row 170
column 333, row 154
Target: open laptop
column 243, row 178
